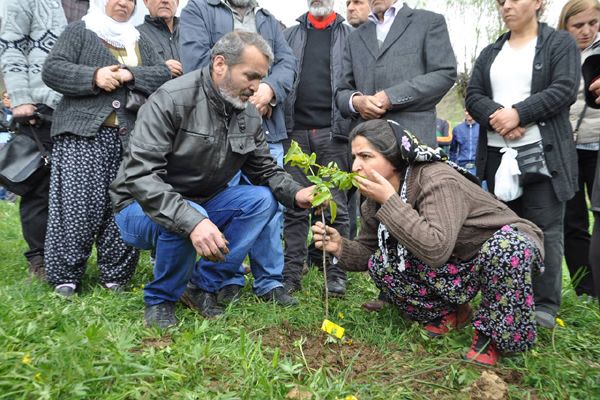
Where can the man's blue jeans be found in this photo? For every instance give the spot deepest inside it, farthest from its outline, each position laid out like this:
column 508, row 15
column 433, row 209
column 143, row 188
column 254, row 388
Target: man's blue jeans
column 267, row 252
column 240, row 212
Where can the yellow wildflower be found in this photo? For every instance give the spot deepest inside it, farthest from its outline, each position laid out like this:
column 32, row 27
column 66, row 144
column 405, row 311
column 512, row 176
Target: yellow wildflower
column 37, row 377
column 341, row 315
column 26, row 359
column 560, row 322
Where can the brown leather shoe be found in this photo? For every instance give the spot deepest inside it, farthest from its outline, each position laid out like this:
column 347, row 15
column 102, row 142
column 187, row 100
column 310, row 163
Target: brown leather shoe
column 37, row 268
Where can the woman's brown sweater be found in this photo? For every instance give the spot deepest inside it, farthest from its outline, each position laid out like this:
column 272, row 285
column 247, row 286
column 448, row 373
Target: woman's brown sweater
column 446, row 216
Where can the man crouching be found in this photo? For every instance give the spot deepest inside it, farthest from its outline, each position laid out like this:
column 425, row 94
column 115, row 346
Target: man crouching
column 191, row 137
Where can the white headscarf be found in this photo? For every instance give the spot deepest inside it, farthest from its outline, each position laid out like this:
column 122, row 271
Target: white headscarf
column 117, row 34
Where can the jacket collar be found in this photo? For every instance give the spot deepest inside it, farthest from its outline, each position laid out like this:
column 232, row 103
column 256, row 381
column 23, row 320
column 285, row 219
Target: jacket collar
column 303, row 20
column 215, row 99
column 368, row 31
column 160, row 23
column 543, row 32
column 257, row 9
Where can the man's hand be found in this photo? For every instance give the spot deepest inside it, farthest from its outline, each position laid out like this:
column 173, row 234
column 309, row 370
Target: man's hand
column 262, row 98
column 175, row 67
column 375, row 187
column 209, row 242
column 504, row 120
column 383, row 99
column 108, row 78
column 24, row 110
column 369, row 107
column 327, row 236
column 595, row 89
column 304, row 196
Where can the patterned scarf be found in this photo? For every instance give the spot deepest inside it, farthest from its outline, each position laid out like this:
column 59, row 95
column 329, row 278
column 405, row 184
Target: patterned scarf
column 412, row 151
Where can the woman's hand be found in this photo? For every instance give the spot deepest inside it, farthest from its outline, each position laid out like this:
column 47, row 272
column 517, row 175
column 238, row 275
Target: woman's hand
column 504, row 120
column 515, row 134
column 108, row 78
column 376, row 187
column 125, row 75
column 328, row 237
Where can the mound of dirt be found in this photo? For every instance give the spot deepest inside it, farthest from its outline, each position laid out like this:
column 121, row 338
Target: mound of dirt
column 321, row 352
column 489, row 386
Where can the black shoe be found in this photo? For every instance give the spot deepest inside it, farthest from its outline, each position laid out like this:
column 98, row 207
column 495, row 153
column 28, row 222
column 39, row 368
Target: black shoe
column 336, row 287
column 291, row 285
column 280, row 296
column 229, row 294
column 37, row 268
column 161, row 315
column 203, row 302
column 65, row 291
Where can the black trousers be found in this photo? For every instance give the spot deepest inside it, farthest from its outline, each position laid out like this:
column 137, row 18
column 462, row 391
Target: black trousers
column 577, row 236
column 539, row 205
column 34, row 205
column 297, row 222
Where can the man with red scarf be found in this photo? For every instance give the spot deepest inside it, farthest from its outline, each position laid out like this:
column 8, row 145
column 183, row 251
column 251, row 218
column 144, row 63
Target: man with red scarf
column 314, row 121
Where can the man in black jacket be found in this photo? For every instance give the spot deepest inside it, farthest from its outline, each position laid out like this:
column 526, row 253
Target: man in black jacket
column 313, row 120
column 172, row 195
column 161, row 28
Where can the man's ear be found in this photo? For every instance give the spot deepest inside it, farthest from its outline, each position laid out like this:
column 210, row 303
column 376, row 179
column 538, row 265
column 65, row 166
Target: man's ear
column 219, row 66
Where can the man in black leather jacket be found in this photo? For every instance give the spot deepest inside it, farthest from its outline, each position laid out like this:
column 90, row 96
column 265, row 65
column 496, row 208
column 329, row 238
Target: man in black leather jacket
column 191, row 137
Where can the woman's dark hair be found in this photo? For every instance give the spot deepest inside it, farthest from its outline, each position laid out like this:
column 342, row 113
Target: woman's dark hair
column 381, row 136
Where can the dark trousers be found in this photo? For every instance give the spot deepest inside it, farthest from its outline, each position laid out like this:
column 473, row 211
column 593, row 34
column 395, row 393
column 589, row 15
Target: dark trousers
column 539, row 205
column 577, row 236
column 34, row 205
column 595, row 255
column 297, row 222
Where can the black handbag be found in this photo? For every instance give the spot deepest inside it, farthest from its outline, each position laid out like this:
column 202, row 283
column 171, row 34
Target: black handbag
column 135, row 100
column 532, row 163
column 23, row 163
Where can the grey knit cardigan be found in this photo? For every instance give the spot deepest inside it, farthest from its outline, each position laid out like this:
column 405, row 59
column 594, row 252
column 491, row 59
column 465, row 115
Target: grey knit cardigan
column 70, row 69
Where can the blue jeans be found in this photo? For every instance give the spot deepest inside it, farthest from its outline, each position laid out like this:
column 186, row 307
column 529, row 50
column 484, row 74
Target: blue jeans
column 267, row 253
column 240, row 212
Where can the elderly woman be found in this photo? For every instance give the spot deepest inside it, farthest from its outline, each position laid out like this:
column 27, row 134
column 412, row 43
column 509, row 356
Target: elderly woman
column 581, row 18
column 432, row 238
column 94, row 64
column 520, row 92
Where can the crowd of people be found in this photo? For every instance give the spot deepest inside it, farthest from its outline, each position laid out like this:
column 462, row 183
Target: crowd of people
column 170, row 137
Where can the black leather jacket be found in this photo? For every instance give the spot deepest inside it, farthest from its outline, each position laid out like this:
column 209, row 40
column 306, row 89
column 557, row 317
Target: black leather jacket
column 188, row 143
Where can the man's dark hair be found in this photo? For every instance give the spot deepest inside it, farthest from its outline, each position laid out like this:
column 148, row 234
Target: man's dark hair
column 232, row 45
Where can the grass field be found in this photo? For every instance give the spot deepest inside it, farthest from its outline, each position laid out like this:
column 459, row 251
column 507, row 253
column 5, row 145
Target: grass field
column 95, row 347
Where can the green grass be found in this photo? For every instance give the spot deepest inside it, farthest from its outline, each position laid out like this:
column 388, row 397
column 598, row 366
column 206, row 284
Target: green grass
column 95, row 346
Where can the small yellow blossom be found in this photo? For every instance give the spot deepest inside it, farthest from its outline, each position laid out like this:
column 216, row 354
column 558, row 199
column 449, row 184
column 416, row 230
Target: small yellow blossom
column 37, row 377
column 26, row 359
column 560, row 322
column 341, row 315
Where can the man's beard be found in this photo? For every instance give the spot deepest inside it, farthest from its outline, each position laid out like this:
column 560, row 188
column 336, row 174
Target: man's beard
column 321, row 11
column 226, row 92
column 236, row 102
column 240, row 3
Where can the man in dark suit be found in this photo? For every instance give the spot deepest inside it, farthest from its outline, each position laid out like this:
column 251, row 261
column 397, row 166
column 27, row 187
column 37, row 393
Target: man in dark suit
column 397, row 66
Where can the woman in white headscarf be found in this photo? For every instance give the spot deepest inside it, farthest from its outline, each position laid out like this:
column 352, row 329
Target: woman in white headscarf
column 96, row 64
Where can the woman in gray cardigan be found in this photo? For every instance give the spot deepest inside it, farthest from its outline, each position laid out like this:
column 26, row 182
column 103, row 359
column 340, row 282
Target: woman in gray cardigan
column 94, row 64
column 520, row 92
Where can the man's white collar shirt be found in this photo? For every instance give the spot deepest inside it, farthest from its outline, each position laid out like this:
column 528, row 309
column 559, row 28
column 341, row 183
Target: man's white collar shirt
column 383, row 27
